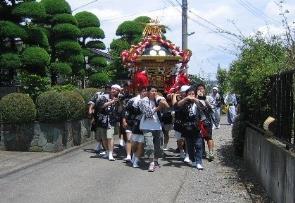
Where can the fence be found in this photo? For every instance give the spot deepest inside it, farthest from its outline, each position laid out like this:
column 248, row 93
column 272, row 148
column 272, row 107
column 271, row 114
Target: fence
column 281, row 103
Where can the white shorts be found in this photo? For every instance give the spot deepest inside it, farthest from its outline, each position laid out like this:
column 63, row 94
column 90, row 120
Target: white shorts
column 138, row 138
column 177, row 135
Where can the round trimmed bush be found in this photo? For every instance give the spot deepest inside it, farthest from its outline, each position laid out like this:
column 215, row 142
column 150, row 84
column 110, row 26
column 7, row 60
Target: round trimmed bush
column 66, row 31
column 68, row 46
column 87, row 93
column 35, row 57
column 98, row 61
column 87, row 19
column 29, row 9
column 51, row 106
column 75, row 105
column 61, row 68
column 96, row 45
column 99, row 79
column 10, row 61
column 10, row 29
column 92, row 32
column 17, row 108
column 64, row 18
column 55, row 106
column 56, row 6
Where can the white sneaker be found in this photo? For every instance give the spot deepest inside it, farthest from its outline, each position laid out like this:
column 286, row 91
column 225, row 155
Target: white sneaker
column 186, row 159
column 165, row 147
column 199, row 167
column 135, row 164
column 218, row 126
column 102, row 153
column 194, row 164
column 213, row 127
column 111, row 158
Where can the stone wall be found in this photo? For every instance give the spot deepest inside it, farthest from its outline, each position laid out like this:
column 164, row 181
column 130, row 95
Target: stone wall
column 272, row 164
column 47, row 137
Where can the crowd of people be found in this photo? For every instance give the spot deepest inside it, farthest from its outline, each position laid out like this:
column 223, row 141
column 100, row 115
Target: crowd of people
column 145, row 120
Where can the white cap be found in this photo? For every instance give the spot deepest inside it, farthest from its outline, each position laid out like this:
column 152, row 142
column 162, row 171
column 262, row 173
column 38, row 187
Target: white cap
column 184, row 88
column 215, row 88
column 118, row 87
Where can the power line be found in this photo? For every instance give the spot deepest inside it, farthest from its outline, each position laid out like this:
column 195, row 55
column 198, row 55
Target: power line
column 255, row 11
column 83, row 5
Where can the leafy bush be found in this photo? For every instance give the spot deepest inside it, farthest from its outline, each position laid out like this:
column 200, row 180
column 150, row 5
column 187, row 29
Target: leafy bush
column 10, row 61
column 29, row 9
column 51, row 106
column 55, row 106
column 61, row 68
column 68, row 47
column 76, row 59
column 66, row 30
column 92, row 32
column 37, row 36
column 56, row 6
column 34, row 84
column 98, row 61
column 62, row 88
column 17, row 108
column 35, row 57
column 99, row 79
column 87, row 19
column 64, row 18
column 9, row 29
column 87, row 93
column 75, row 105
column 96, row 44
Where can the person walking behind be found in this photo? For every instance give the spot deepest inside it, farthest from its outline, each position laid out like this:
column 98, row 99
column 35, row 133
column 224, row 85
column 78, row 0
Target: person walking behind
column 179, row 117
column 207, row 119
column 130, row 119
column 91, row 111
column 137, row 134
column 124, row 96
column 231, row 101
column 107, row 111
column 215, row 102
column 190, row 128
column 151, row 126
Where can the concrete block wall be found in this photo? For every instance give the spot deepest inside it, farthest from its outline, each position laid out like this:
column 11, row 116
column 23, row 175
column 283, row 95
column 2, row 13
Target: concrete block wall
column 272, row 164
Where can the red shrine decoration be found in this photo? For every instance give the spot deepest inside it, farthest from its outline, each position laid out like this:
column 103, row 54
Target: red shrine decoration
column 156, row 61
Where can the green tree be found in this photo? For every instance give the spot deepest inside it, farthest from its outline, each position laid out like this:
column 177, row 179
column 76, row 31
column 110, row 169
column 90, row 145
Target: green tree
column 222, row 79
column 63, row 34
column 18, row 30
column 91, row 35
column 129, row 32
column 248, row 75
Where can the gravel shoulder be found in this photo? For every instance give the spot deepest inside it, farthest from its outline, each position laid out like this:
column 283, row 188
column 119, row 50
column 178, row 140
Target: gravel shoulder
column 225, row 179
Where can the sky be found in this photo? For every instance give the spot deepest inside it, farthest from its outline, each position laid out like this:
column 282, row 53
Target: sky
column 205, row 18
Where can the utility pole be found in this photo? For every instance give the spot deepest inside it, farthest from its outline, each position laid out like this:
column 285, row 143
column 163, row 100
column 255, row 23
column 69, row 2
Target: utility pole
column 184, row 24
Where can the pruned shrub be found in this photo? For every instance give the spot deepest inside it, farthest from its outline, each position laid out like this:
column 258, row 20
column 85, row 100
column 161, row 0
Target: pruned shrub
column 87, row 93
column 55, row 106
column 75, row 105
column 17, row 108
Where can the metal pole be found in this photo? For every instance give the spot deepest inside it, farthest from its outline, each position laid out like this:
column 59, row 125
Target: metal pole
column 184, row 24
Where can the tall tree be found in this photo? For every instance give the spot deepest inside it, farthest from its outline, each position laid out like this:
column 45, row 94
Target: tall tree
column 17, row 31
column 129, row 32
column 66, row 55
column 91, row 35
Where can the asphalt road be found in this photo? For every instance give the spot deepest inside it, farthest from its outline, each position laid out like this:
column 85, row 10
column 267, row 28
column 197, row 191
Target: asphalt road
column 80, row 177
column 75, row 177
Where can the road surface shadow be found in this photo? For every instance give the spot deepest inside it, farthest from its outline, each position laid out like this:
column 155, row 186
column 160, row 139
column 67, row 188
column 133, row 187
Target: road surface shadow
column 254, row 188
